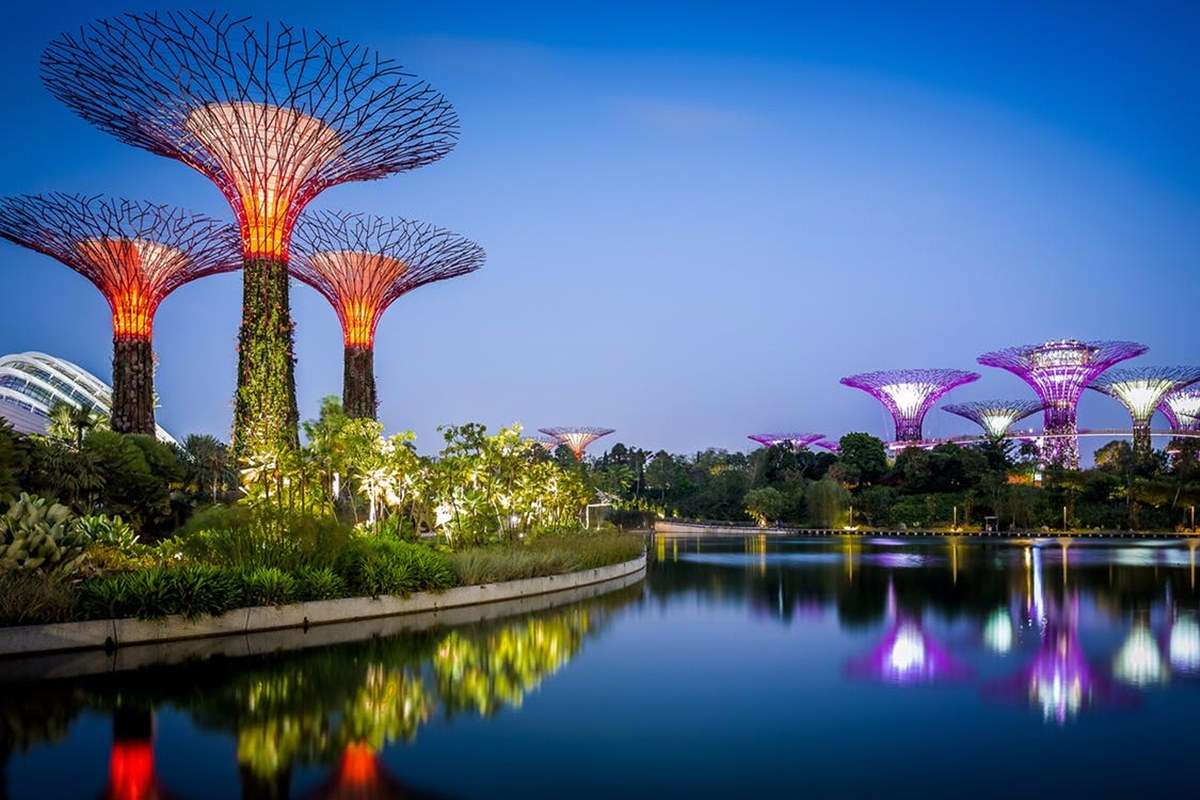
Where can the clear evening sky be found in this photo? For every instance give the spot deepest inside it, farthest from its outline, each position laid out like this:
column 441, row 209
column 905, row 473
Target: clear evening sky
column 699, row 216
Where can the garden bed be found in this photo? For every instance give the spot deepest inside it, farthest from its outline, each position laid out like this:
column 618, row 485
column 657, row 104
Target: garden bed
column 113, row 633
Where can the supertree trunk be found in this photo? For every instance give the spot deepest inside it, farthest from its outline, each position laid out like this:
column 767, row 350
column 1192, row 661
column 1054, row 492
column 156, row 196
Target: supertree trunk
column 358, row 383
column 133, row 386
column 265, row 415
column 1141, row 438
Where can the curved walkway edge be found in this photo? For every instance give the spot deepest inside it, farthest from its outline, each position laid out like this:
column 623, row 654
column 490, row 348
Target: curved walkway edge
column 109, row 634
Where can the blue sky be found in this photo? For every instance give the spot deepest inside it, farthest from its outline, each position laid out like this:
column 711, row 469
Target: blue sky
column 700, row 215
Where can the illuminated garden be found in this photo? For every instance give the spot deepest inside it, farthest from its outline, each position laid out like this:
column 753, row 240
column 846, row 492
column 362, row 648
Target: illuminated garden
column 749, row 586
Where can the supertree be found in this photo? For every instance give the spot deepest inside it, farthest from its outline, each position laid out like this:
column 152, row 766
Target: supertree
column 362, row 264
column 272, row 115
column 136, row 254
column 1141, row 390
column 1182, row 408
column 908, row 394
column 1059, row 371
column 577, row 439
column 831, row 445
column 995, row 416
column 796, row 441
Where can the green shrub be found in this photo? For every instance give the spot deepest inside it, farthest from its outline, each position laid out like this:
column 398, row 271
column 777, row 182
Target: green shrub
column 268, row 586
column 246, row 537
column 29, row 598
column 191, row 590
column 545, row 555
column 105, row 530
column 378, row 566
column 36, row 534
column 319, row 583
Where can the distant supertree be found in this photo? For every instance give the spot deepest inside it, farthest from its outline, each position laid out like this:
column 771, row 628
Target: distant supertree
column 136, row 254
column 796, row 441
column 362, row 264
column 1141, row 390
column 831, row 445
column 273, row 115
column 1182, row 408
column 995, row 416
column 547, row 443
column 1059, row 371
column 908, row 394
column 577, row 439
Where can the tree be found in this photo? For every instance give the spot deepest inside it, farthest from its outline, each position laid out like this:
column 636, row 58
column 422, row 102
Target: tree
column 208, row 464
column 863, row 458
column 765, row 505
column 827, row 502
column 70, row 423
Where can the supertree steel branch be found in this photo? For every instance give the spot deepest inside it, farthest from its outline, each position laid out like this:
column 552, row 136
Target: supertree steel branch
column 995, row 416
column 362, row 264
column 135, row 254
column 1182, row 408
column 796, row 441
column 272, row 115
column 1141, row 390
column 577, row 439
column 908, row 394
column 828, row 444
column 1059, row 371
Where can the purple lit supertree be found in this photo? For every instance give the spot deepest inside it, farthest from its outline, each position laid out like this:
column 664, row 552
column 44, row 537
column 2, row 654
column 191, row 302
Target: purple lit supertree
column 136, row 254
column 577, row 439
column 362, row 264
column 908, row 394
column 995, row 416
column 796, row 441
column 273, row 115
column 1182, row 408
column 1141, row 390
column 1059, row 371
column 828, row 444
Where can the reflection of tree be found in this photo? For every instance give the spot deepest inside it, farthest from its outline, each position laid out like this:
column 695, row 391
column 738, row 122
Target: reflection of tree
column 1138, row 661
column 484, row 675
column 908, row 655
column 390, row 705
column 359, row 775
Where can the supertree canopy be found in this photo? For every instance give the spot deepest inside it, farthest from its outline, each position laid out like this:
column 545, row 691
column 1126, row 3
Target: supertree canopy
column 831, row 445
column 577, row 439
column 908, row 394
column 272, row 115
column 1182, row 408
column 995, row 416
column 362, row 264
column 1141, row 390
column 136, row 254
column 796, row 441
column 1059, row 371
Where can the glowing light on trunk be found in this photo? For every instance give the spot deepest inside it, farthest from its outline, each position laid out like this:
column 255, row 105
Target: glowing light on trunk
column 132, row 274
column 360, row 283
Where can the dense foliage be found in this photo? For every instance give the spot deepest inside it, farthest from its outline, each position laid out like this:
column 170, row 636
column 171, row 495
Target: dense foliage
column 938, row 488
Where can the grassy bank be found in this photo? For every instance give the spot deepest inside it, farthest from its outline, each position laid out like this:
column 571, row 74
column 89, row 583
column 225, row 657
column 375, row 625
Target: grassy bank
column 547, row 555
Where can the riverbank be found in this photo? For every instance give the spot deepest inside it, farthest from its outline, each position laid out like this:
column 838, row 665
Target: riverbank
column 674, row 527
column 130, row 643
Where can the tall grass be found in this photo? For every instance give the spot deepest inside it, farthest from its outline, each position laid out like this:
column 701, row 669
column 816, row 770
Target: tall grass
column 546, row 555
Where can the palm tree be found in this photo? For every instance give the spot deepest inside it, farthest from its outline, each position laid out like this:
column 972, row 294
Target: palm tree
column 209, row 463
column 71, row 423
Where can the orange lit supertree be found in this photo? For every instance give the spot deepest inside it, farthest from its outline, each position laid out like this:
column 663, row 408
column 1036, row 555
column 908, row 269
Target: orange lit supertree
column 272, row 115
column 136, row 254
column 576, row 438
column 362, row 264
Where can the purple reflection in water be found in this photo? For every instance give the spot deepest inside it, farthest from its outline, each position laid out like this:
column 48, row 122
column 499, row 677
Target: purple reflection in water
column 908, row 655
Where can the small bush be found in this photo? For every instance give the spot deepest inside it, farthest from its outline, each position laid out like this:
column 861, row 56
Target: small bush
column 247, row 537
column 378, row 566
column 104, row 530
column 268, row 586
column 319, row 583
column 192, row 590
column 28, row 598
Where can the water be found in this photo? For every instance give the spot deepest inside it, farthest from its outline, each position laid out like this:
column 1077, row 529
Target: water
column 741, row 667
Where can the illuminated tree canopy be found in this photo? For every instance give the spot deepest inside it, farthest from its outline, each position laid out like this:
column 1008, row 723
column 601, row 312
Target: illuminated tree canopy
column 576, row 438
column 995, row 416
column 1059, row 371
column 1141, row 390
column 270, row 113
column 908, row 394
column 136, row 254
column 797, row 441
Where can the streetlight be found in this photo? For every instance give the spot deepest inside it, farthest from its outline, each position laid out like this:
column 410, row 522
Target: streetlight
column 1064, row 519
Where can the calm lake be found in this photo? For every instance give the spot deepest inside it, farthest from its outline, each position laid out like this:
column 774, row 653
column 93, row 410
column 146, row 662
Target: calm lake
column 741, row 667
